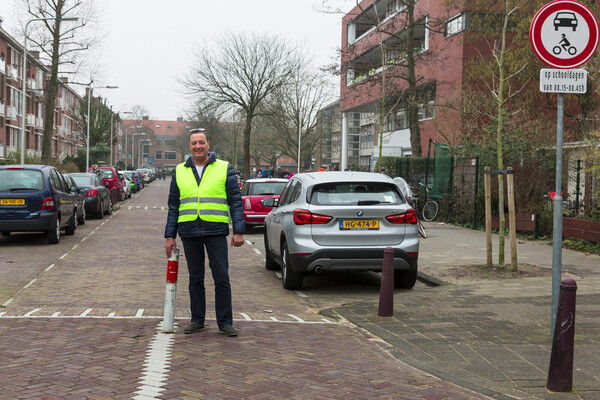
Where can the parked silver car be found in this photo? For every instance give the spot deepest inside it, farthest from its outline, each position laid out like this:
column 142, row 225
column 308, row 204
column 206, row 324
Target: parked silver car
column 340, row 221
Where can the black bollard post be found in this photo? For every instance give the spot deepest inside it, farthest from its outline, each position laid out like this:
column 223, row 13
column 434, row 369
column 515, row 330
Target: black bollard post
column 560, row 374
column 386, row 290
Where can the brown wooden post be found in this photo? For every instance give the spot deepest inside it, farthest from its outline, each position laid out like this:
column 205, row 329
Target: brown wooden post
column 511, row 217
column 488, row 216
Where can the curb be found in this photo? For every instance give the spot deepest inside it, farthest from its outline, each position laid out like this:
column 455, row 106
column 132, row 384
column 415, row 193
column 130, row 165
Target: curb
column 429, row 280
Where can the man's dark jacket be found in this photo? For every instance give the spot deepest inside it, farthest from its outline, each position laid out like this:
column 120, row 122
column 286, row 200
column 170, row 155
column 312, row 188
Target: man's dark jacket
column 204, row 228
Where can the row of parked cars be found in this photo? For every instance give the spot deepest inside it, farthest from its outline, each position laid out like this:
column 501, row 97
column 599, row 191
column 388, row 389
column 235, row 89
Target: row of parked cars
column 39, row 198
column 333, row 221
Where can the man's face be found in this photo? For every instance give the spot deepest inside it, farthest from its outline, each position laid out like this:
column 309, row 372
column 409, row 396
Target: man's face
column 199, row 146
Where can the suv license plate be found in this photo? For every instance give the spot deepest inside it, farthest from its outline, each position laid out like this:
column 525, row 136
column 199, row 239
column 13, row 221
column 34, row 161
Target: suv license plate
column 359, row 224
column 12, row 202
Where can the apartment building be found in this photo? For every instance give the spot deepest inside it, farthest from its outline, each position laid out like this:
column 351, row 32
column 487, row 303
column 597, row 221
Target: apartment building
column 65, row 138
column 372, row 33
column 154, row 143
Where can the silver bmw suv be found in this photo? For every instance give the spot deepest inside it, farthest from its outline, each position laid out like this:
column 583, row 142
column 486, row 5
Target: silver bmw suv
column 340, row 221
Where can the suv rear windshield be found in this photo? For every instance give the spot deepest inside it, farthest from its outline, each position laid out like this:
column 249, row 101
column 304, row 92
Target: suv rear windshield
column 21, row 180
column 265, row 188
column 359, row 193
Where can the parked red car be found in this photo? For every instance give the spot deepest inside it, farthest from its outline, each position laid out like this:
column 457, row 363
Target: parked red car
column 111, row 176
column 256, row 190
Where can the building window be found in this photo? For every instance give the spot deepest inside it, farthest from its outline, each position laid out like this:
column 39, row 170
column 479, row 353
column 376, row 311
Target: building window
column 170, row 155
column 159, row 141
column 455, row 25
column 401, row 119
column 426, row 111
column 158, row 154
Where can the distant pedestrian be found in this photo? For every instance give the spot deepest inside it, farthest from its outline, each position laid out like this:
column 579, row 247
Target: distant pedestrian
column 202, row 191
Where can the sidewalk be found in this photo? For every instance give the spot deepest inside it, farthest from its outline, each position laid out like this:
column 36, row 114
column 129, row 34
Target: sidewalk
column 492, row 337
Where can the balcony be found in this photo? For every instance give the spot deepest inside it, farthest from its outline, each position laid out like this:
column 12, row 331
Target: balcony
column 371, row 63
column 377, row 14
column 11, row 113
column 2, row 109
column 39, row 123
column 12, row 72
column 3, row 66
column 63, row 131
column 30, row 120
column 31, row 84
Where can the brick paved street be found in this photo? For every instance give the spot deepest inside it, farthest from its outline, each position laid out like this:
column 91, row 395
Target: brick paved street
column 86, row 327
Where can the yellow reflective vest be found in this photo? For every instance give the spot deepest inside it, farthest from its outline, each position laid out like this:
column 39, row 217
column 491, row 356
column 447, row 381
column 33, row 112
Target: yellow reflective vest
column 208, row 201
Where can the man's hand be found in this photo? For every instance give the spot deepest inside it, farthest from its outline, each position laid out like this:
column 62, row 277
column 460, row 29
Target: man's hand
column 170, row 245
column 237, row 239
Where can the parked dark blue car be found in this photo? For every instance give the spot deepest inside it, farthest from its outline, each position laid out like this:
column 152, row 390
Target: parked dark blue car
column 36, row 198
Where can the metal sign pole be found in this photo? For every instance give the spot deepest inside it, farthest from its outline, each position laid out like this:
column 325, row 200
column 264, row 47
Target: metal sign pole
column 558, row 211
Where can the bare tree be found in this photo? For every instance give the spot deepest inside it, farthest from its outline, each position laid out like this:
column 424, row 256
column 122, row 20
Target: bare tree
column 59, row 42
column 241, row 70
column 291, row 115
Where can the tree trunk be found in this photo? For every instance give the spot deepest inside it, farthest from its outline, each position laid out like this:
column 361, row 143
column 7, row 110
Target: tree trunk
column 247, row 130
column 413, row 104
column 52, row 90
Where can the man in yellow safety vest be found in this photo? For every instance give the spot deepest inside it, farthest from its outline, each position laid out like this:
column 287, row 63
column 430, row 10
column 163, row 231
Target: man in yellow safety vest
column 204, row 192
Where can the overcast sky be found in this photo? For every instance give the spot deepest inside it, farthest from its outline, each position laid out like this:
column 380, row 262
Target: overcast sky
column 150, row 42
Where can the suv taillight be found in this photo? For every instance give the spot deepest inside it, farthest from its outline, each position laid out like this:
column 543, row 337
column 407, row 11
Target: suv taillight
column 48, row 203
column 91, row 193
column 305, row 217
column 409, row 217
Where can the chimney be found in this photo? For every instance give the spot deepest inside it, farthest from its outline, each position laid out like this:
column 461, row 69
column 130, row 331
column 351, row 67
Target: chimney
column 145, row 118
column 1, row 21
column 179, row 120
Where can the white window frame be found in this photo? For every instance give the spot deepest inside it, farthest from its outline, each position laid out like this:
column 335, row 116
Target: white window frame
column 455, row 25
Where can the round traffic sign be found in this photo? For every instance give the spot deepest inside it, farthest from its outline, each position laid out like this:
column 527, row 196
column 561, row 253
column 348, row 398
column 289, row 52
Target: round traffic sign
column 564, row 34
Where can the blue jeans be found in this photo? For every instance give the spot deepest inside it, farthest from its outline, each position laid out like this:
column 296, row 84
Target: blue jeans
column 216, row 248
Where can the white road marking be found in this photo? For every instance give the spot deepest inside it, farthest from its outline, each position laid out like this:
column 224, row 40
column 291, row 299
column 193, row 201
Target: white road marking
column 30, row 283
column 56, row 314
column 246, row 317
column 296, row 318
column 86, row 312
column 299, row 293
column 156, row 366
column 49, row 268
column 111, row 314
column 139, row 313
column 257, row 251
column 7, row 302
column 30, row 313
column 278, row 274
column 274, row 319
column 63, row 256
column 2, row 313
column 74, row 247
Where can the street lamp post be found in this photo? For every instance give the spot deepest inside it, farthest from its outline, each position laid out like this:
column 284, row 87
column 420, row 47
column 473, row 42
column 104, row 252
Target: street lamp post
column 133, row 147
column 140, row 151
column 126, row 141
column 111, row 135
column 24, row 77
column 87, row 140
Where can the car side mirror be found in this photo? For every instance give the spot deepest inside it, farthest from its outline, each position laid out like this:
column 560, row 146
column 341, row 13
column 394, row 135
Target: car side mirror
column 269, row 202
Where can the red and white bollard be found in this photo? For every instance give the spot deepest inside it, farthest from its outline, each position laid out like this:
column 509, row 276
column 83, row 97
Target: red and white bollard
column 168, row 325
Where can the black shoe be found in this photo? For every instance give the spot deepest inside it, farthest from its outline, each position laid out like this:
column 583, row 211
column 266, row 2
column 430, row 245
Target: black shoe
column 228, row 330
column 193, row 328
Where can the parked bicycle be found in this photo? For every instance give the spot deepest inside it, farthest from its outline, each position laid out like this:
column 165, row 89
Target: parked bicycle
column 412, row 199
column 430, row 207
